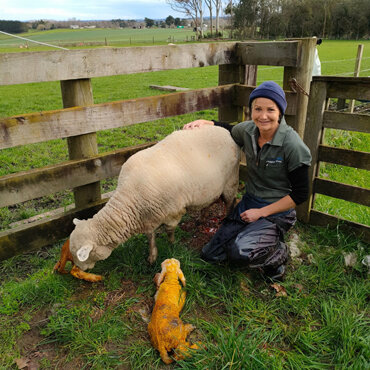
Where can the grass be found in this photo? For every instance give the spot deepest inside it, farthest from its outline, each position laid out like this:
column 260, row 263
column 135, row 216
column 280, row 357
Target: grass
column 321, row 323
column 55, row 321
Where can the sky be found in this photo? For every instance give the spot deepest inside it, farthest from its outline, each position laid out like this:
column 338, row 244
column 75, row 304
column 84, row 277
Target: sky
column 63, row 10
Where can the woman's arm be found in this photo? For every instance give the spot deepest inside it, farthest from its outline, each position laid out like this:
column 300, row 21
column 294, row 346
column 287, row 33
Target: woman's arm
column 281, row 205
column 299, row 182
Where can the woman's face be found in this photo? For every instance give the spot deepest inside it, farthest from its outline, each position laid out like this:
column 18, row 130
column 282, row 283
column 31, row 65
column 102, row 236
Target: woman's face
column 265, row 114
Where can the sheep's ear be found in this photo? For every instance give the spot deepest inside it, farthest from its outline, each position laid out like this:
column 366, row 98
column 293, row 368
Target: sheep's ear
column 84, row 252
column 76, row 221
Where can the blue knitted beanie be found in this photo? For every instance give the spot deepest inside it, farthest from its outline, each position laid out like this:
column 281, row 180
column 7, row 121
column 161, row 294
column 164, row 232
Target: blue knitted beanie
column 270, row 90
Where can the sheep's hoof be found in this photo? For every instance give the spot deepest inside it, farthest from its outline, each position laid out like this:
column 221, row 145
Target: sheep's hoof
column 152, row 256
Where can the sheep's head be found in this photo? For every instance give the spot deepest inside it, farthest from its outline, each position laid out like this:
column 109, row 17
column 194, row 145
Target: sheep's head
column 84, row 250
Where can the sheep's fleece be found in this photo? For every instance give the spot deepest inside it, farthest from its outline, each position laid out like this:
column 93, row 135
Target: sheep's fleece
column 189, row 169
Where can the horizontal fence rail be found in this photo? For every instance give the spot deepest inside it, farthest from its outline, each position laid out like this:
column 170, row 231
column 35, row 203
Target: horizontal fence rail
column 346, row 87
column 23, row 186
column 346, row 121
column 344, row 157
column 349, row 193
column 43, row 232
column 44, row 126
column 18, row 68
column 323, row 219
column 283, row 53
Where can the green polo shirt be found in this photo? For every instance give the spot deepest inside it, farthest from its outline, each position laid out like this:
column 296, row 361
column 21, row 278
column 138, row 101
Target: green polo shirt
column 268, row 168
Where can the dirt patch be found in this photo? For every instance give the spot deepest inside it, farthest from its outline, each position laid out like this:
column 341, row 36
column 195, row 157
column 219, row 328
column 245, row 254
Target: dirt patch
column 30, row 344
column 204, row 224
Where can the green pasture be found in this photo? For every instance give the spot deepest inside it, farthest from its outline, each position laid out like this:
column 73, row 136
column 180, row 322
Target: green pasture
column 51, row 321
column 94, row 37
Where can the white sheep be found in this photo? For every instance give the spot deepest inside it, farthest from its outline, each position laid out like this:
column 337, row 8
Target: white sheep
column 189, row 169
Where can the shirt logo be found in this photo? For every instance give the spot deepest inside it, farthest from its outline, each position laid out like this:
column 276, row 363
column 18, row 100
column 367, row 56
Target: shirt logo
column 274, row 161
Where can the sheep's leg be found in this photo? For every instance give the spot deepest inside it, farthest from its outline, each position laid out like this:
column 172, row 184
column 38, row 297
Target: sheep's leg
column 229, row 199
column 229, row 205
column 153, row 251
column 230, row 190
column 171, row 233
column 171, row 224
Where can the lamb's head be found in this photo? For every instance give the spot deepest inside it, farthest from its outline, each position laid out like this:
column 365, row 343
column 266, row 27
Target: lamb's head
column 83, row 247
column 170, row 265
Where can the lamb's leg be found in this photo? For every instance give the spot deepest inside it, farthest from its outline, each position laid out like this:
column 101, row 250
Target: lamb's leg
column 79, row 274
column 189, row 328
column 164, row 355
column 153, row 251
column 65, row 256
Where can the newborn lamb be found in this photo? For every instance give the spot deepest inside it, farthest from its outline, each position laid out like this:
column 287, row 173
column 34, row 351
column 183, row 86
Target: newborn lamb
column 167, row 331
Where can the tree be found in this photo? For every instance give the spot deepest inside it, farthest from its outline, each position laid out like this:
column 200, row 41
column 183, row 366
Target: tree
column 192, row 9
column 245, row 18
column 120, row 23
column 217, row 4
column 13, row 26
column 170, row 20
column 209, row 4
column 149, row 22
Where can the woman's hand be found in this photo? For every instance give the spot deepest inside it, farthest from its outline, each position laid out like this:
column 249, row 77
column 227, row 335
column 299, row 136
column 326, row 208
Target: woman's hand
column 197, row 123
column 251, row 215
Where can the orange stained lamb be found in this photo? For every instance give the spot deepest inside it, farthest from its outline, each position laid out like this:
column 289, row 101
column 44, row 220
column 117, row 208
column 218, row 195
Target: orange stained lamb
column 167, row 331
column 66, row 256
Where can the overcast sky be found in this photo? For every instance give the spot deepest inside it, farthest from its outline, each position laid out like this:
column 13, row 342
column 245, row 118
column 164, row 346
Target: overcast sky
column 24, row 10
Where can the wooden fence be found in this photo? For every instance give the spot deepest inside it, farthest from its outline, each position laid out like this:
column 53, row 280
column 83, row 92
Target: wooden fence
column 318, row 118
column 81, row 119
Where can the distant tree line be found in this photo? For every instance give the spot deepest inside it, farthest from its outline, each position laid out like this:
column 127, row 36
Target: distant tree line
column 41, row 24
column 341, row 19
column 13, row 26
column 168, row 22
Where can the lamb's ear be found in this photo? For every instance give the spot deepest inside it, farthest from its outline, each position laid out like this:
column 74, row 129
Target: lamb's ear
column 84, row 252
column 76, row 221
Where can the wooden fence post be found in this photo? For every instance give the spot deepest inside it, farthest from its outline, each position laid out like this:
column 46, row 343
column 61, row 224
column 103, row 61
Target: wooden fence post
column 79, row 93
column 360, row 50
column 313, row 137
column 302, row 74
column 235, row 73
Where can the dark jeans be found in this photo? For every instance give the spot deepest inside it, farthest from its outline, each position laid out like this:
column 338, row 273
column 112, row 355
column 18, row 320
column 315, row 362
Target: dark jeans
column 255, row 244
